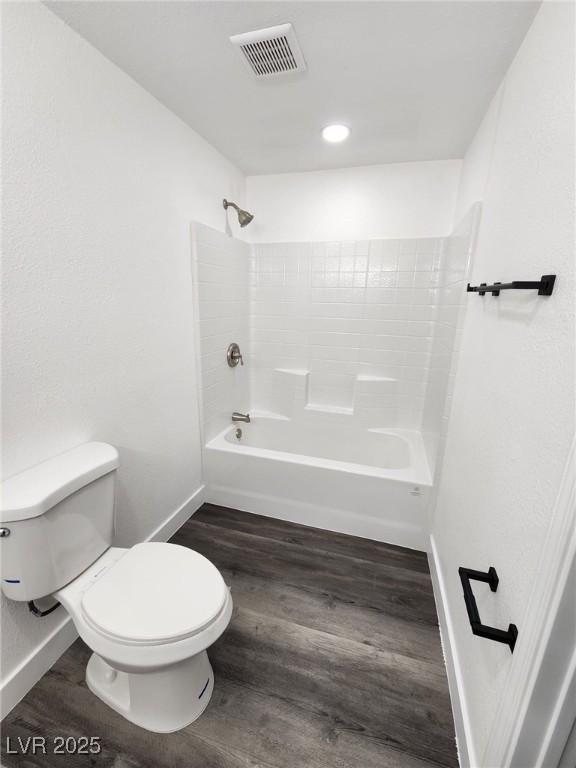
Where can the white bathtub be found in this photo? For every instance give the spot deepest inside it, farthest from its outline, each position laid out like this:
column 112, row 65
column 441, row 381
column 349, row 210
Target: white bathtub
column 366, row 482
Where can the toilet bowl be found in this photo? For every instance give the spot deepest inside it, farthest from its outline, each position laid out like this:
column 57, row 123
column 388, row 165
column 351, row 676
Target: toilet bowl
column 148, row 613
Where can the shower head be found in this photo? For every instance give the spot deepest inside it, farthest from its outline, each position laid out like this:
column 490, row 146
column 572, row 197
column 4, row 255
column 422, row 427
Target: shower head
column 244, row 218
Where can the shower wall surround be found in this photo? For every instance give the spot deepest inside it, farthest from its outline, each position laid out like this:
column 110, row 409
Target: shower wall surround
column 221, row 265
column 344, row 327
column 355, row 331
column 451, row 301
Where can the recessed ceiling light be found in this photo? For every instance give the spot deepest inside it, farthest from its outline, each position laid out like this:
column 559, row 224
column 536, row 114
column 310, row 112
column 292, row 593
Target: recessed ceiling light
column 335, row 133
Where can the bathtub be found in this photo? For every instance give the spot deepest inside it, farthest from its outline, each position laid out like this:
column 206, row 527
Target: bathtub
column 373, row 483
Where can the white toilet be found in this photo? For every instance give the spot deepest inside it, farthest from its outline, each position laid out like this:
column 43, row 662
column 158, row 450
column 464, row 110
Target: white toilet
column 148, row 613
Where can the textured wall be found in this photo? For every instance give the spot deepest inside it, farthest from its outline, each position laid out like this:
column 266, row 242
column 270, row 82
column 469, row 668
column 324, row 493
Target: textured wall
column 101, row 184
column 512, row 418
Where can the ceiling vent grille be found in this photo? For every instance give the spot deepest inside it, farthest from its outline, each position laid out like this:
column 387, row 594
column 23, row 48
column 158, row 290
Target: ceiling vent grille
column 271, row 52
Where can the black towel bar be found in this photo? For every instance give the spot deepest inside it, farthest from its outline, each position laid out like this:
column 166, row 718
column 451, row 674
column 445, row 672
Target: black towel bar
column 544, row 286
column 508, row 636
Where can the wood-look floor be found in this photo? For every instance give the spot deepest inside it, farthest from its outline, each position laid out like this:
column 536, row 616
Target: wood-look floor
column 332, row 660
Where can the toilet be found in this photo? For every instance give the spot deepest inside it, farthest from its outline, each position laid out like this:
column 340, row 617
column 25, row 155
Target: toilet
column 148, row 612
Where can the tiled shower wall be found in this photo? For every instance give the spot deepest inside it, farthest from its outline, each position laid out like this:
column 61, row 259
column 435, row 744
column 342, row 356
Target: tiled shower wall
column 222, row 277
column 359, row 316
column 448, row 322
column 368, row 329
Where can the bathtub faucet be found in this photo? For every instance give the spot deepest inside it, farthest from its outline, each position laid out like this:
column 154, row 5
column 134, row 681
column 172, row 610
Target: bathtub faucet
column 245, row 417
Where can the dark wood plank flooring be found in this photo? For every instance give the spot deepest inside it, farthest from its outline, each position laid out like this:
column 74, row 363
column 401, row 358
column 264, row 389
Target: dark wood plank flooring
column 332, row 660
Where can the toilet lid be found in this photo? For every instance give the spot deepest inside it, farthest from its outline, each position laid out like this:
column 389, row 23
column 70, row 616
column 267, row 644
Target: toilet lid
column 155, row 593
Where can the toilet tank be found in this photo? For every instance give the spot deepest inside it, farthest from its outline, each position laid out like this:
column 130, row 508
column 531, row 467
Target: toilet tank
column 56, row 519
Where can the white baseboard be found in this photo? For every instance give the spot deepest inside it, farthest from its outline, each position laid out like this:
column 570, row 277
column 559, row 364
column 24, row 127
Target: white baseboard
column 168, row 528
column 39, row 661
column 36, row 664
column 466, row 751
column 316, row 516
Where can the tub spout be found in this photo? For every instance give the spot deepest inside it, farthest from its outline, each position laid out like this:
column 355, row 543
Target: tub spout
column 245, row 417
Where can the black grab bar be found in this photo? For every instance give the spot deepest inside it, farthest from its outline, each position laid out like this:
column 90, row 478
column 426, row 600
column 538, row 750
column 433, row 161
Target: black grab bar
column 508, row 636
column 544, row 286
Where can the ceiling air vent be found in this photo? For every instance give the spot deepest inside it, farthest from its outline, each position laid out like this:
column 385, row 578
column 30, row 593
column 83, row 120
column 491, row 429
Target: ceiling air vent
column 272, row 51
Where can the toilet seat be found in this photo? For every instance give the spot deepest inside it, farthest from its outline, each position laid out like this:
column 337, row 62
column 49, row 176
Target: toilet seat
column 155, row 594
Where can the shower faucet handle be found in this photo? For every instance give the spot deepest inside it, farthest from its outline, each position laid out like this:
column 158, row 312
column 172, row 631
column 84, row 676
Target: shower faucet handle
column 234, row 356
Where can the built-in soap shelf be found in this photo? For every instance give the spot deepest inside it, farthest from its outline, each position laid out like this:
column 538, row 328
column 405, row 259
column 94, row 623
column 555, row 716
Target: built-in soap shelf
column 376, row 383
column 297, row 372
column 291, row 394
column 290, row 388
column 376, row 399
column 325, row 408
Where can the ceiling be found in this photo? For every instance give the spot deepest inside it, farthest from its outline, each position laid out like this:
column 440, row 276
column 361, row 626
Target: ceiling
column 411, row 79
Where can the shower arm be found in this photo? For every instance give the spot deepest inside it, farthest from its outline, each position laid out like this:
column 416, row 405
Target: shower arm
column 244, row 217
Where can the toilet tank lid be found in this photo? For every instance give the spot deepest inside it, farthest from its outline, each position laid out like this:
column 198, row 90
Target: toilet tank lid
column 34, row 491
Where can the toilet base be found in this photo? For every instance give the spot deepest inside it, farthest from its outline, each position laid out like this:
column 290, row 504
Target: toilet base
column 163, row 700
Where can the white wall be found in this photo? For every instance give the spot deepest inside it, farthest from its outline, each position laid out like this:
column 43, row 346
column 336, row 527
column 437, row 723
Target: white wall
column 512, row 417
column 478, row 160
column 222, row 278
column 403, row 200
column 101, row 184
